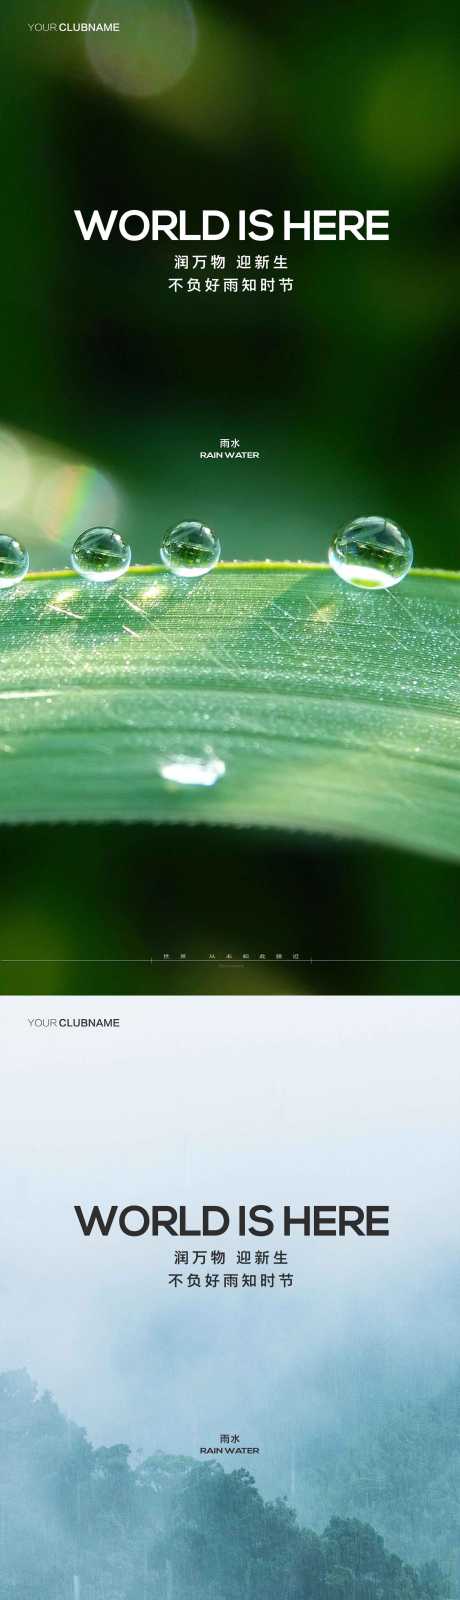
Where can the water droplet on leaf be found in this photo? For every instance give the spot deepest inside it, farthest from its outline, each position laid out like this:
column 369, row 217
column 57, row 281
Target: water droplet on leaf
column 100, row 555
column 190, row 549
column 193, row 771
column 14, row 561
column 371, row 553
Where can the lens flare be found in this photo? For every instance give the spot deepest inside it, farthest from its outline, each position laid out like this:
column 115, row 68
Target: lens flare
column 72, row 496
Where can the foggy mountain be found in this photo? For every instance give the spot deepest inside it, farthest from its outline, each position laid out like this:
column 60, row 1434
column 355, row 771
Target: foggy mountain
column 403, row 1475
column 79, row 1523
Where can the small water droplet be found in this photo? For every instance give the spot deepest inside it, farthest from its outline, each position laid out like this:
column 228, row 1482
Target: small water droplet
column 100, row 555
column 371, row 553
column 193, row 771
column 14, row 561
column 190, row 549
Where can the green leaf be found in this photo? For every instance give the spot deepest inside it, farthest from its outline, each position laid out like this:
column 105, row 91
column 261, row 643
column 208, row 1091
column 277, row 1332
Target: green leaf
column 333, row 709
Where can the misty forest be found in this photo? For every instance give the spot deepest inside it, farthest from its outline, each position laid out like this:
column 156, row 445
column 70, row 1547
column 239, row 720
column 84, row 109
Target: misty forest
column 79, row 1523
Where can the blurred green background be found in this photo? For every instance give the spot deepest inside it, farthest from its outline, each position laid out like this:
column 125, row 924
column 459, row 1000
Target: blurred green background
column 112, row 385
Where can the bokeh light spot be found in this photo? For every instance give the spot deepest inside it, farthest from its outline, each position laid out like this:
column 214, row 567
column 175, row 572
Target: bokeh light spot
column 412, row 127
column 154, row 48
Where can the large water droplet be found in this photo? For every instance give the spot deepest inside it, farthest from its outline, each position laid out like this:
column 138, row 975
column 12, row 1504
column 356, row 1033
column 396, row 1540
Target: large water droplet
column 193, row 771
column 14, row 561
column 371, row 553
column 190, row 549
column 100, row 555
